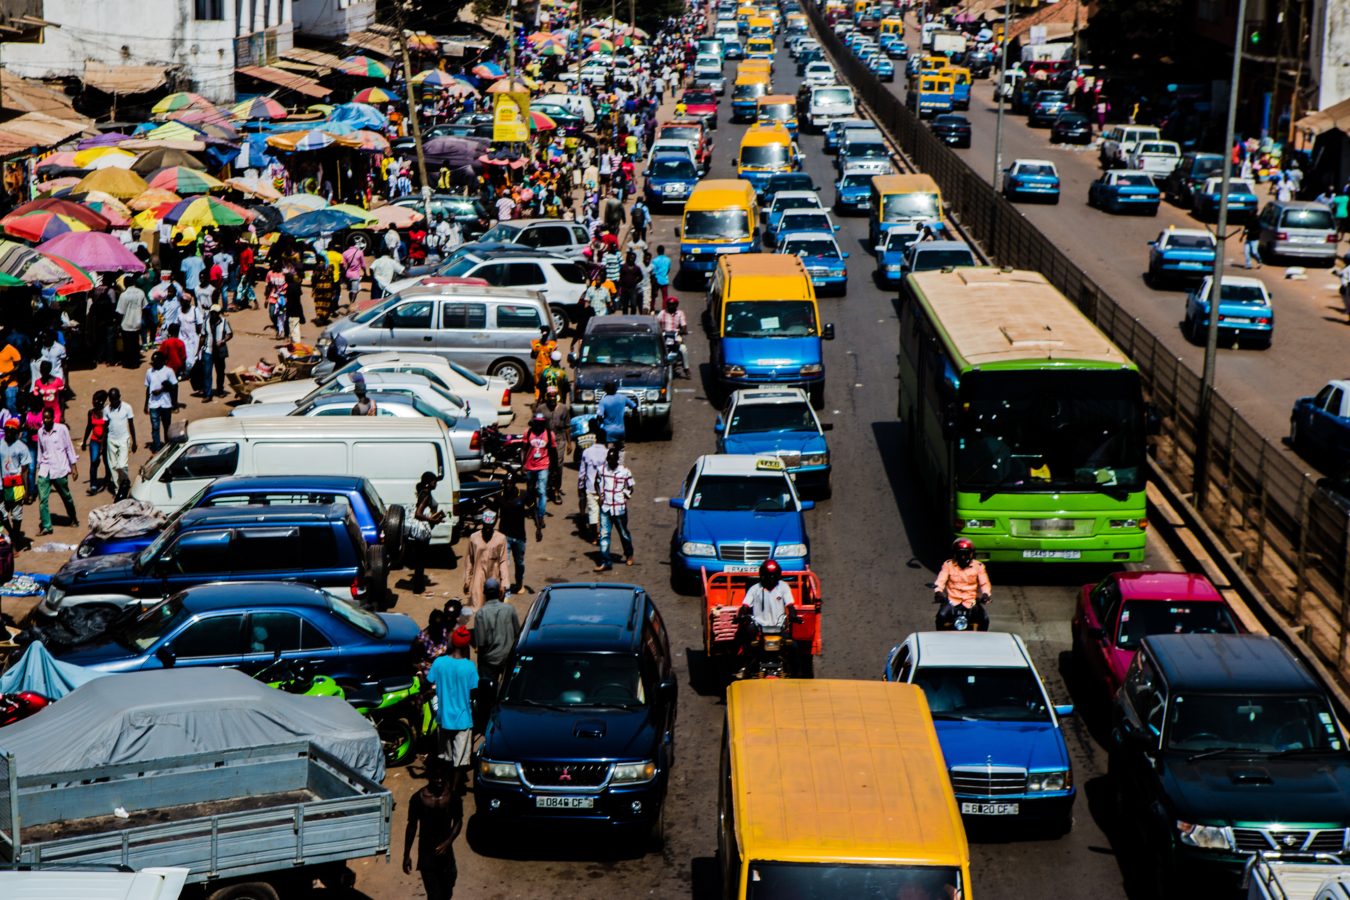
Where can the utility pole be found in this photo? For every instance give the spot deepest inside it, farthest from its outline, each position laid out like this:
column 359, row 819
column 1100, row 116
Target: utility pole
column 511, row 41
column 1300, row 53
column 416, row 126
column 1200, row 477
column 998, row 92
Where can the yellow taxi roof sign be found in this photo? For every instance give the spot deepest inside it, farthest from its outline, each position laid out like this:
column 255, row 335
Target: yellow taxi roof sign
column 768, row 464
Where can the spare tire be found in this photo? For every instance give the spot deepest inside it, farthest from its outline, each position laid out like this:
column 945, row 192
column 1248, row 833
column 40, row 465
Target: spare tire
column 392, row 528
column 379, row 579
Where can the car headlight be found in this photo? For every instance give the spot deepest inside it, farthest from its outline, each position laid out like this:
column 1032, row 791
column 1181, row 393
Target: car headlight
column 84, row 550
column 733, row 371
column 53, row 598
column 587, row 396
column 1049, row 781
column 654, row 394
column 633, row 773
column 787, row 551
column 1206, row 837
column 697, row 548
column 491, row 770
column 812, row 369
column 816, row 459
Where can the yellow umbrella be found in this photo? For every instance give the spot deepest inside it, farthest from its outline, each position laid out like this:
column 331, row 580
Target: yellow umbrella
column 120, row 183
column 173, row 131
column 84, row 157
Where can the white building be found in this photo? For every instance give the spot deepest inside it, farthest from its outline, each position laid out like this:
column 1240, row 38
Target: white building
column 1329, row 52
column 205, row 39
column 333, row 18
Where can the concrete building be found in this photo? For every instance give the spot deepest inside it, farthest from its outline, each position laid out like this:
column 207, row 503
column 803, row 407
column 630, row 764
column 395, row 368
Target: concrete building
column 333, row 18
column 1329, row 53
column 206, row 40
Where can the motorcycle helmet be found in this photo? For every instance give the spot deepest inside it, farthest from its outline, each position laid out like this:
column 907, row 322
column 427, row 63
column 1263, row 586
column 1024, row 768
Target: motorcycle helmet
column 672, row 303
column 963, row 551
column 770, row 573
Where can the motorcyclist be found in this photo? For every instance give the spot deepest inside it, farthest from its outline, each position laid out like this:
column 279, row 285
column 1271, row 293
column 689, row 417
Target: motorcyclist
column 962, row 582
column 766, row 608
column 671, row 320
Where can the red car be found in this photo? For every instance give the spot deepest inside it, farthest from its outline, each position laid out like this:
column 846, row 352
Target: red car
column 701, row 105
column 1114, row 616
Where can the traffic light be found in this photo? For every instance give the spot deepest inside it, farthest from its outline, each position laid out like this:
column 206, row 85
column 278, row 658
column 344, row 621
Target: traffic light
column 1255, row 37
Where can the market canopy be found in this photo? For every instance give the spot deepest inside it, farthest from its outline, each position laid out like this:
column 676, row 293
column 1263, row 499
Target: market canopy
column 67, row 208
column 182, row 180
column 325, row 221
column 152, row 161
column 95, row 251
column 32, row 266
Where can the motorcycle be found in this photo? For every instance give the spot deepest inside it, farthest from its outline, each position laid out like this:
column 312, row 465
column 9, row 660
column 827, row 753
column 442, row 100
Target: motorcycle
column 475, row 498
column 671, row 340
column 961, row 619
column 502, row 452
column 772, row 654
column 20, row 705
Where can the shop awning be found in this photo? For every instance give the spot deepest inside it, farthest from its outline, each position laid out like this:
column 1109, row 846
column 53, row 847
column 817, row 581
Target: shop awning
column 301, row 84
column 21, row 95
column 1336, row 116
column 124, row 79
column 38, row 130
column 315, row 58
column 371, row 42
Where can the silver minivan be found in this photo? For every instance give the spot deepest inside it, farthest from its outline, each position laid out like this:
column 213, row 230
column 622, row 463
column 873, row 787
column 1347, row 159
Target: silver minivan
column 553, row 235
column 484, row 329
column 1298, row 228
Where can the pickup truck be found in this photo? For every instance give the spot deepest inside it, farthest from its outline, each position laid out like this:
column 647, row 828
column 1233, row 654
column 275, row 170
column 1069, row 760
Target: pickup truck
column 257, row 822
column 1319, row 426
column 1120, row 140
column 1319, row 876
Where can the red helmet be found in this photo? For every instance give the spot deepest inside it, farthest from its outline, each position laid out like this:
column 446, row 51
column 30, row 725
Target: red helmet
column 963, row 551
column 770, row 570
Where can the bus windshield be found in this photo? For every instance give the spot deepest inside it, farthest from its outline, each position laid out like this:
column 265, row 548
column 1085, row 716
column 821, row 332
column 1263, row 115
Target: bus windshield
column 771, row 318
column 764, row 155
column 780, row 879
column 910, row 206
column 716, row 224
column 1036, row 431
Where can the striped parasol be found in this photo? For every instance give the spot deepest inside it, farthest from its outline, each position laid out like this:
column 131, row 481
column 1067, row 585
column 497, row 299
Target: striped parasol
column 182, row 180
column 178, row 101
column 363, row 67
column 375, row 95
column 41, row 225
column 258, row 108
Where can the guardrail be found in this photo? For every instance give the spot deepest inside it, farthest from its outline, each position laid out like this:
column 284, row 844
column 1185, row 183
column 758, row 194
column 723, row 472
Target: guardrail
column 1288, row 536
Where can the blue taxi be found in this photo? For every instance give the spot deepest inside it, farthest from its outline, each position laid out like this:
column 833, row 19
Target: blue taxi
column 1031, row 178
column 1118, row 191
column 853, row 190
column 1242, row 200
column 734, row 512
column 1180, row 253
column 824, row 261
column 882, row 67
column 1246, row 313
column 798, row 220
column 784, row 202
column 780, row 422
column 670, row 179
column 895, row 245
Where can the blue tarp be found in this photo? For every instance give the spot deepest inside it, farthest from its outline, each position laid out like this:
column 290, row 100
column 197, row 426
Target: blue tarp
column 359, row 115
column 38, row 671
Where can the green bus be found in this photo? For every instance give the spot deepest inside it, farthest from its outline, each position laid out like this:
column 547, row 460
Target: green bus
column 1026, row 423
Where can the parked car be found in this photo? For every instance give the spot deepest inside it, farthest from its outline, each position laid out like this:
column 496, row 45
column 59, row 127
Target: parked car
column 469, row 212
column 1246, row 312
column 952, row 128
column 373, row 518
column 1298, row 229
column 628, row 350
column 583, row 728
column 1242, row 200
column 999, row 731
column 556, row 236
column 1189, row 175
column 1223, row 746
column 1071, row 128
column 1119, row 140
column 559, row 279
column 1031, row 178
column 249, row 625
column 319, row 545
column 824, row 261
column 1118, row 191
column 1155, row 158
column 408, row 383
column 1046, row 107
column 778, row 422
column 1180, row 253
column 1115, row 615
column 1319, row 426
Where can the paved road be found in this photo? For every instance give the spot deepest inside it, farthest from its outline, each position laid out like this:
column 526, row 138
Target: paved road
column 865, row 540
column 1310, row 330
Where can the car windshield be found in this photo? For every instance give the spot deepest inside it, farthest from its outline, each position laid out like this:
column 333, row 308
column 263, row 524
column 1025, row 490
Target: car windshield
column 699, row 98
column 910, row 206
column 609, row 349
column 776, row 112
column 569, row 680
column 856, row 179
column 362, row 620
column 1242, row 293
column 771, row 318
column 931, row 260
column 1037, row 431
column 716, row 224
column 1131, row 179
column 375, row 311
column 812, row 247
column 832, row 95
column 1256, row 723
column 1140, row 618
column 1159, row 149
column 1190, row 242
column 780, row 880
column 975, row 693
column 749, row 90
column 1206, row 164
column 1319, row 219
column 757, row 418
column 460, row 267
column 1071, row 119
column 743, row 493
column 672, row 167
column 950, row 120
column 141, row 633
column 688, row 133
column 1036, row 169
column 866, row 151
column 503, row 232
column 764, row 155
column 897, row 240
column 1050, row 97
column 789, row 182
column 805, row 221
column 782, row 203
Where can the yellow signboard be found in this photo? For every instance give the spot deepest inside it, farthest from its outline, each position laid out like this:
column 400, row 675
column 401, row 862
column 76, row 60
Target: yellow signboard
column 511, row 117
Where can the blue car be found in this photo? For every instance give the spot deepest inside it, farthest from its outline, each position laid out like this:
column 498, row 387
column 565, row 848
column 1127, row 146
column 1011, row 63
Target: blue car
column 245, row 625
column 891, row 253
column 372, row 516
column 784, row 181
column 1242, row 200
column 1180, row 253
column 999, row 732
column 1246, row 314
column 882, row 67
column 824, row 261
column 853, row 191
column 1118, row 191
column 799, row 220
column 1319, row 426
column 783, row 203
column 670, row 179
column 779, row 422
column 1029, row 179
column 834, row 132
column 734, row 513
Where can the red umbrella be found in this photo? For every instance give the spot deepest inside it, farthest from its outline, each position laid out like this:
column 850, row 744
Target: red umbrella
column 80, row 280
column 86, row 215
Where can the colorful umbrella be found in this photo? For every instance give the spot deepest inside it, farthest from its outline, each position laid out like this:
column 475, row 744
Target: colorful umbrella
column 434, row 78
column 173, row 131
column 200, row 212
column 541, row 122
column 182, row 180
column 64, row 183
column 518, row 85
column 41, row 225
column 295, row 204
column 422, row 41
column 151, row 161
column 29, row 265
column 459, row 88
column 93, row 251
column 65, row 208
column 262, row 188
column 301, row 141
column 108, row 206
column 258, row 108
column 552, row 50
column 118, row 160
column 375, row 95
column 325, row 221
column 11, row 281
column 603, row 45
column 79, row 280
column 152, row 199
column 369, row 141
column 64, row 159
column 396, row 216
column 357, row 115
column 107, row 139
column 542, row 37
column 489, row 70
column 179, row 101
column 363, row 67
column 121, row 183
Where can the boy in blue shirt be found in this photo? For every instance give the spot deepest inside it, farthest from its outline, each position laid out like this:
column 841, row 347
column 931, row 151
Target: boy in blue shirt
column 454, row 676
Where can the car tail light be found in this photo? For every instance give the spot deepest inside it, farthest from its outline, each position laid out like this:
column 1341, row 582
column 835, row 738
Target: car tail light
column 506, row 397
column 1281, row 235
column 1333, row 239
column 358, row 587
column 1262, row 321
column 473, row 441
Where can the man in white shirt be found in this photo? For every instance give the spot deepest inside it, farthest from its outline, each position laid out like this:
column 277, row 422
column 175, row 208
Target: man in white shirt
column 768, row 599
column 383, row 271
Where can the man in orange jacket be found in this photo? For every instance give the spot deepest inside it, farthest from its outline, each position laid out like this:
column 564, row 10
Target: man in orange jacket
column 962, row 582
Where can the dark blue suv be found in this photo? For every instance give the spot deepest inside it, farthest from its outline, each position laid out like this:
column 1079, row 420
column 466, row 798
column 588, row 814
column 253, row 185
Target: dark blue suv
column 584, row 726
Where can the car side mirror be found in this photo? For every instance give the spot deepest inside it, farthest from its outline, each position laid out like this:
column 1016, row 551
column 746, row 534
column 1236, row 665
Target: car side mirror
column 828, row 331
column 676, row 502
column 843, row 255
column 836, row 228
column 827, row 426
column 668, row 689
column 880, row 248
column 1095, row 633
column 1063, row 709
column 719, row 426
column 808, row 505
column 166, row 655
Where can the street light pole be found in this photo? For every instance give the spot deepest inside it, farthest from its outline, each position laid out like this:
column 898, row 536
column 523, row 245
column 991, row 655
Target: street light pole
column 998, row 93
column 1200, row 477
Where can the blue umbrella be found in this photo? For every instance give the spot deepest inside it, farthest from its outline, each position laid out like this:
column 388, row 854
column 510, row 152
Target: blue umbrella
column 359, row 115
column 321, row 221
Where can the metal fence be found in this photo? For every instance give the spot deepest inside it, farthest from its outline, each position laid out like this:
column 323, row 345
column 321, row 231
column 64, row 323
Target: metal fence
column 1288, row 535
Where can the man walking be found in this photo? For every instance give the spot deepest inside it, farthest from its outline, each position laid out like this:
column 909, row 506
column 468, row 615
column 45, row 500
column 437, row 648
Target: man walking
column 558, row 418
column 592, row 462
column 16, row 467
column 121, row 442
column 159, row 381
column 130, row 307
column 454, row 676
column 353, row 269
column 485, row 560
column 215, row 351
column 436, row 812
column 495, row 629
column 614, row 484
column 611, row 411
column 57, row 463
column 511, row 518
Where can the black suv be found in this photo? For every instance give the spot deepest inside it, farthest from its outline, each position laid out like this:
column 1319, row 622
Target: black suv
column 1189, row 176
column 1225, row 746
column 584, row 726
column 631, row 351
column 311, row 544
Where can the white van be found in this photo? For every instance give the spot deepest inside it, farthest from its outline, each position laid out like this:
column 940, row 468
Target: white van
column 147, row 884
column 579, row 105
column 725, row 29
column 392, row 453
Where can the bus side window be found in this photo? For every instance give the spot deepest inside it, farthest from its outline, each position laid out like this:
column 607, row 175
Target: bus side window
column 727, row 846
column 909, row 327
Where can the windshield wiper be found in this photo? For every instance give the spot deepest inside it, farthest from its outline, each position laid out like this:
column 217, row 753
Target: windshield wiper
column 603, row 705
column 1219, row 751
column 538, row 703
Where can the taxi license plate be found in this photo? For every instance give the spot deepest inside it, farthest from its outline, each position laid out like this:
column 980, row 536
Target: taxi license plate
column 564, row 802
column 1234, row 320
column 989, row 809
column 1052, row 554
column 740, row 567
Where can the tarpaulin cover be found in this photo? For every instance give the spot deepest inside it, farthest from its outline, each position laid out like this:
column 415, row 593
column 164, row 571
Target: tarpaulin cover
column 149, row 716
column 125, row 518
column 38, row 671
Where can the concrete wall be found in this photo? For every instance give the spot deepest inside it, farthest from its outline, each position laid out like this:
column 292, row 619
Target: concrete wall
column 1329, row 51
column 333, row 18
